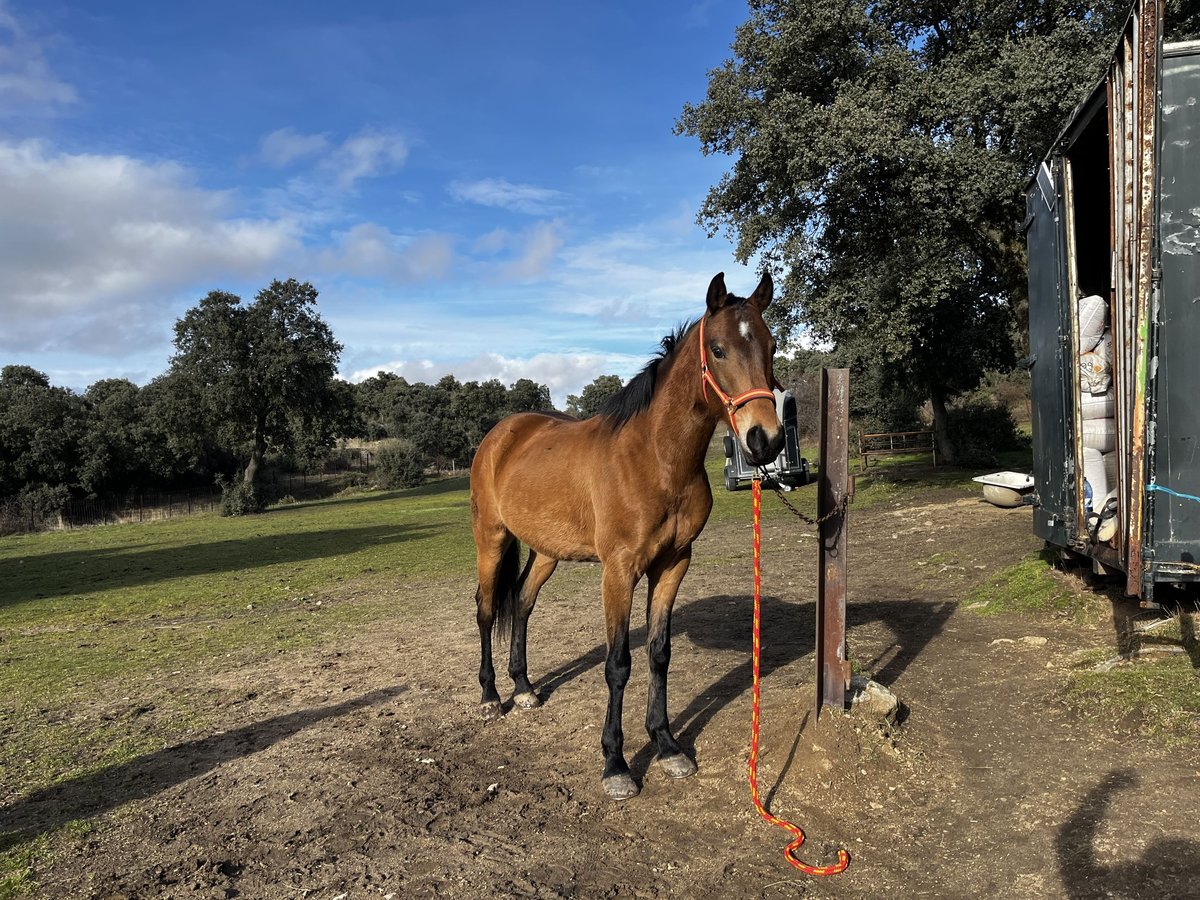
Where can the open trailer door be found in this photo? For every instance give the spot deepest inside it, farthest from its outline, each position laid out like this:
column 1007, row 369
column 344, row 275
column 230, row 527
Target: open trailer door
column 1093, row 245
column 1049, row 362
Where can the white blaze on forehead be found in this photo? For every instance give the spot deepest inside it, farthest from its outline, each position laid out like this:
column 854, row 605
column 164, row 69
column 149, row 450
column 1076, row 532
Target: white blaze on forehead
column 744, row 329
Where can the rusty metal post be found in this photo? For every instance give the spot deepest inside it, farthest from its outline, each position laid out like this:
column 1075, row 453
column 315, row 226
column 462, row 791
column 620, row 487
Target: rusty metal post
column 833, row 668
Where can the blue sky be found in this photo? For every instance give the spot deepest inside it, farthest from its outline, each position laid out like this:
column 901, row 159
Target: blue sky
column 492, row 190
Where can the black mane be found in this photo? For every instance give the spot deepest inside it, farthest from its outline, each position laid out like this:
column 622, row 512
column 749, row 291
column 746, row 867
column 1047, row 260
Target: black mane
column 636, row 396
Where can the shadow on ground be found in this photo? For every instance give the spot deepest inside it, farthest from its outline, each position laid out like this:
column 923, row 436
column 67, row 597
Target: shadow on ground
column 432, row 489
column 99, row 792
column 70, row 572
column 1169, row 868
column 724, row 622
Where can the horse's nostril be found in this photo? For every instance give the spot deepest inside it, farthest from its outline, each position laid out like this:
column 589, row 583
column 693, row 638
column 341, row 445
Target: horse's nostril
column 756, row 440
column 763, row 448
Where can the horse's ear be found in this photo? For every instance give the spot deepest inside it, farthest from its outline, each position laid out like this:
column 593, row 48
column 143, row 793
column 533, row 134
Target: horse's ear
column 717, row 295
column 763, row 294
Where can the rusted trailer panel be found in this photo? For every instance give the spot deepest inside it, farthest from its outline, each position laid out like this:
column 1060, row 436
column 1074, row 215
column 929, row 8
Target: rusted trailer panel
column 1113, row 221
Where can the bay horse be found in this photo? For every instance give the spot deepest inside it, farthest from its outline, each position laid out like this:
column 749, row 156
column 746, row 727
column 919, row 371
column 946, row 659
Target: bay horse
column 626, row 488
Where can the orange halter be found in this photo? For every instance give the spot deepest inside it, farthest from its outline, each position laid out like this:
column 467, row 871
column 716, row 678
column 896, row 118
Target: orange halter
column 731, row 404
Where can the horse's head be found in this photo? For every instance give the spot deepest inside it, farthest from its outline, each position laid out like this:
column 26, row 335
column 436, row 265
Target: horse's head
column 738, row 350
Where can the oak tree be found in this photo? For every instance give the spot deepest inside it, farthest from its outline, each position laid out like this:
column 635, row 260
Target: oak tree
column 879, row 150
column 261, row 375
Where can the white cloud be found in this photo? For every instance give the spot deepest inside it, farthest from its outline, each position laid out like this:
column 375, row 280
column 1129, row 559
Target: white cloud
column 96, row 244
column 494, row 241
column 371, row 251
column 642, row 275
column 563, row 373
column 26, row 81
column 524, row 255
column 366, row 155
column 536, row 250
column 286, row 145
column 504, row 194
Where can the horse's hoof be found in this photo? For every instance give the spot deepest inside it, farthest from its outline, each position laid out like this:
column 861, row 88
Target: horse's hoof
column 527, row 701
column 490, row 711
column 677, row 766
column 620, row 787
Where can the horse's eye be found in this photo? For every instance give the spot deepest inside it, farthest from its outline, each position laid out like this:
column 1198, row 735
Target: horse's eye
column 718, row 352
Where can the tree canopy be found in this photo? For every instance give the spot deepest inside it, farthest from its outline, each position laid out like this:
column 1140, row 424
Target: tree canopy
column 261, row 376
column 879, row 152
column 246, row 380
column 41, row 428
column 588, row 402
column 443, row 422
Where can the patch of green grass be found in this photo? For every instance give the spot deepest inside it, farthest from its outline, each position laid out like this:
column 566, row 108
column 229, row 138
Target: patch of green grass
column 1156, row 694
column 18, row 866
column 918, row 472
column 941, row 558
column 1159, row 695
column 1033, row 586
column 900, row 458
column 85, row 606
column 181, row 566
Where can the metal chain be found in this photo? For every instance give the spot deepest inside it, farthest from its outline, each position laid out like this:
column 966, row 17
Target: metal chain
column 840, row 508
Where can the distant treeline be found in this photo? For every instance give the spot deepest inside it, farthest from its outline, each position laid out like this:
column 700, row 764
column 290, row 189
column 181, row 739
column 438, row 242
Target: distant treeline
column 117, row 439
column 248, row 385
column 254, row 385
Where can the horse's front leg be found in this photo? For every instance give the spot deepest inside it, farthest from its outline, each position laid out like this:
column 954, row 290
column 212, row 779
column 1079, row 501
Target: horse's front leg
column 664, row 577
column 618, row 584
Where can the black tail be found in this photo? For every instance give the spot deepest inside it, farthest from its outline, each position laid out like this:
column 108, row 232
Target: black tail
column 508, row 588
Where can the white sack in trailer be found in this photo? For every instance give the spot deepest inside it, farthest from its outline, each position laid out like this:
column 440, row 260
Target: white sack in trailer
column 1100, row 434
column 1093, row 314
column 1097, row 406
column 1095, row 373
column 1110, row 474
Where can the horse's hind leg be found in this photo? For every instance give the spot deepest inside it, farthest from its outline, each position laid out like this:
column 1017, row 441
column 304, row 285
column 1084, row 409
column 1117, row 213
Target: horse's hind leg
column 493, row 555
column 664, row 580
column 537, row 570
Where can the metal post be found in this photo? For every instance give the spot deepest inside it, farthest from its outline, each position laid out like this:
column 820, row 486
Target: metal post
column 833, row 668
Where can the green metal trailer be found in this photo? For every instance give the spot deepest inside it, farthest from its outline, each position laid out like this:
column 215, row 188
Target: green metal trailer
column 1113, row 214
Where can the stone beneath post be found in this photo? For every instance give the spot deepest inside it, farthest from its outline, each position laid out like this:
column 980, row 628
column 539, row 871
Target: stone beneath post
column 872, row 700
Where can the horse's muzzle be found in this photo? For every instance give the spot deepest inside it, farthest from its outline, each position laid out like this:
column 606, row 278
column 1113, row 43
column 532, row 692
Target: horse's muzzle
column 763, row 448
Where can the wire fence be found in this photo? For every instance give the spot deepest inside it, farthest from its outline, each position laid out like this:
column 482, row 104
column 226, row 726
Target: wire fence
column 345, row 467
column 18, row 518
column 142, row 508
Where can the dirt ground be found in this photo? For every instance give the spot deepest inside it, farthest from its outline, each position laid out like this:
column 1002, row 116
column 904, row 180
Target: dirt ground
column 363, row 770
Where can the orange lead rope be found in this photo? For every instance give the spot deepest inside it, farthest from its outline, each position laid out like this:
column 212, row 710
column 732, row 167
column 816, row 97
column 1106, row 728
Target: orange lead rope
column 795, row 830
